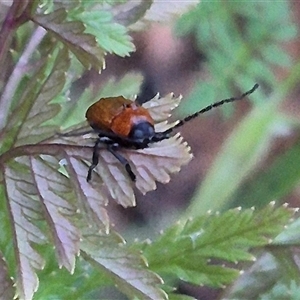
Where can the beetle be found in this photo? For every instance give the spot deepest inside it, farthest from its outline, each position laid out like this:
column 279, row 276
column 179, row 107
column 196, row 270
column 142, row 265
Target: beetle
column 123, row 123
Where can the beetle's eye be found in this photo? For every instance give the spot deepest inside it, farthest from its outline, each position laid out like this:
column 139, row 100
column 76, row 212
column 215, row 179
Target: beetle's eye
column 141, row 131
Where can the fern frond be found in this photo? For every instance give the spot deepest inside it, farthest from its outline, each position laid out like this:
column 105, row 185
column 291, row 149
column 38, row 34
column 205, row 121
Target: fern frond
column 186, row 249
column 127, row 267
column 72, row 35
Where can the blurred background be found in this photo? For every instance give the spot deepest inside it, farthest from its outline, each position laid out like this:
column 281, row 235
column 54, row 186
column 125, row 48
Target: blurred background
column 246, row 153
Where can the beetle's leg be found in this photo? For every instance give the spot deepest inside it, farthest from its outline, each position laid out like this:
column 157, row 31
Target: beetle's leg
column 112, row 149
column 95, row 160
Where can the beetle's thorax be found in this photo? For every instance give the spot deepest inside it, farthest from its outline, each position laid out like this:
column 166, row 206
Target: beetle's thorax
column 133, row 121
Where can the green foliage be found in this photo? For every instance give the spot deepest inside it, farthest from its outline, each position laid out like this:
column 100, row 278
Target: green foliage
column 240, row 42
column 111, row 36
column 282, row 291
column 50, row 214
column 83, row 45
column 187, row 248
column 274, row 271
column 124, row 266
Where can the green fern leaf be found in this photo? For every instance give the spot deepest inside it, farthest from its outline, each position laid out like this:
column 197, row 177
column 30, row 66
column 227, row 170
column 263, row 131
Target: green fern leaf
column 26, row 124
column 71, row 34
column 111, row 36
column 23, row 210
column 126, row 267
column 33, row 129
column 36, row 191
column 186, row 248
column 54, row 192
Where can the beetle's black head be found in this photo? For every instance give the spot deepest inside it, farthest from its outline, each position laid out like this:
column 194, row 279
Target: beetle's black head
column 142, row 131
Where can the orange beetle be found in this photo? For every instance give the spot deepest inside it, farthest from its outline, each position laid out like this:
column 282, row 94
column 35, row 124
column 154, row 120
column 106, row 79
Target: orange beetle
column 120, row 122
column 121, row 116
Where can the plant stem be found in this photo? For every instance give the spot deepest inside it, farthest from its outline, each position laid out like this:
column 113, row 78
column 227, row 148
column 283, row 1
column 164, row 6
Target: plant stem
column 18, row 73
column 52, row 149
column 12, row 20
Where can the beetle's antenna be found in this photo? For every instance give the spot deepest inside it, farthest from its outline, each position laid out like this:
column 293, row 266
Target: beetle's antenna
column 211, row 106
